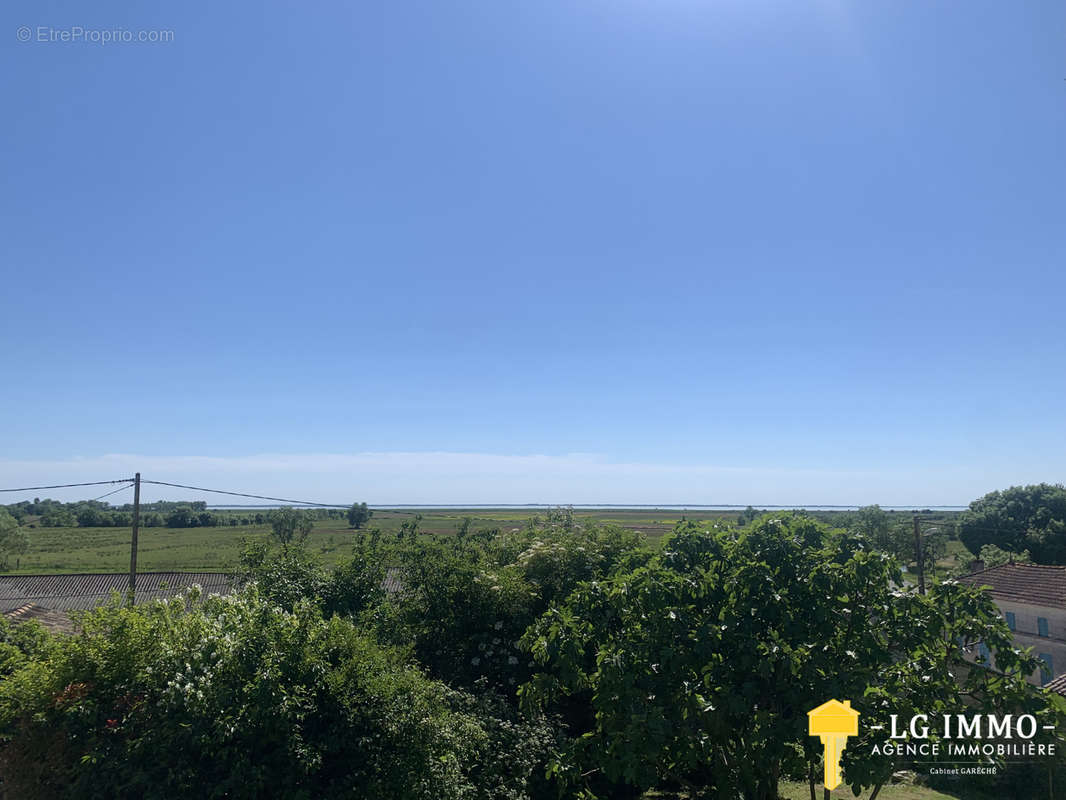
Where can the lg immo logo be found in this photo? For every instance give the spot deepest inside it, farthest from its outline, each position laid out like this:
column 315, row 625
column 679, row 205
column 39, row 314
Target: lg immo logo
column 833, row 722
column 958, row 736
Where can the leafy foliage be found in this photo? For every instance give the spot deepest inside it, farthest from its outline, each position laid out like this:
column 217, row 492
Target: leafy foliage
column 698, row 668
column 290, row 525
column 559, row 656
column 234, row 697
column 1020, row 518
column 993, row 556
column 12, row 539
column 468, row 599
column 358, row 515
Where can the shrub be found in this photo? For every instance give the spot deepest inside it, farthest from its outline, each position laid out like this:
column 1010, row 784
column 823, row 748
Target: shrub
column 235, row 697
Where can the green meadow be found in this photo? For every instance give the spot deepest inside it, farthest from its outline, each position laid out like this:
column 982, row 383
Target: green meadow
column 160, row 549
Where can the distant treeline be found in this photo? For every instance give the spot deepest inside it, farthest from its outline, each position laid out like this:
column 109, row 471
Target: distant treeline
column 161, row 514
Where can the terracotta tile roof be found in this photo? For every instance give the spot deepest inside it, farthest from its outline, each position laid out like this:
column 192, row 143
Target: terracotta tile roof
column 80, row 592
column 1035, row 584
column 55, row 621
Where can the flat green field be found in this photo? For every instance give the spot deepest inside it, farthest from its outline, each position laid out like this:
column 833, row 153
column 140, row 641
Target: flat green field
column 57, row 550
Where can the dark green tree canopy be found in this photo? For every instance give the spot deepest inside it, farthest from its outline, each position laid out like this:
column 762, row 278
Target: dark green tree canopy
column 700, row 666
column 359, row 515
column 1020, row 518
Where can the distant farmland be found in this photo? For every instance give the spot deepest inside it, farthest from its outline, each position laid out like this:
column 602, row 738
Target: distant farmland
column 57, row 550
column 53, row 550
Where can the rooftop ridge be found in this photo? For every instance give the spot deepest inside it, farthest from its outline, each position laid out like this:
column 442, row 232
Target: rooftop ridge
column 1030, row 584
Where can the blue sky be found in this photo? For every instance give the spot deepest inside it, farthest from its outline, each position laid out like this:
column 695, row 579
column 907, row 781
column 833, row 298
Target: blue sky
column 630, row 252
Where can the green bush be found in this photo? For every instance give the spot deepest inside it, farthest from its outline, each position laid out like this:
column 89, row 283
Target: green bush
column 467, row 600
column 235, row 697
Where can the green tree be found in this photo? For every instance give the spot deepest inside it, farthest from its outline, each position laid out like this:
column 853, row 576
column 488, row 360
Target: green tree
column 747, row 516
column 359, row 515
column 1019, row 518
column 290, row 526
column 877, row 526
column 699, row 668
column 993, row 556
column 181, row 517
column 13, row 541
column 58, row 517
column 92, row 517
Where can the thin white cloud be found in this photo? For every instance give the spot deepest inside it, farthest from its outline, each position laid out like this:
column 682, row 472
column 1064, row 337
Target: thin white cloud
column 384, row 478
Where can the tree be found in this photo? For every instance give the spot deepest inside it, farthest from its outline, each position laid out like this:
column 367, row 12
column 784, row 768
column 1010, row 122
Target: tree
column 699, row 667
column 359, row 515
column 92, row 517
column 747, row 516
column 993, row 556
column 58, row 518
column 181, row 517
column 1019, row 518
column 12, row 540
column 289, row 525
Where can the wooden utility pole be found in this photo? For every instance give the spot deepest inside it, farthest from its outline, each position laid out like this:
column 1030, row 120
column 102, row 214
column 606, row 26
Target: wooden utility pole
column 918, row 553
column 133, row 538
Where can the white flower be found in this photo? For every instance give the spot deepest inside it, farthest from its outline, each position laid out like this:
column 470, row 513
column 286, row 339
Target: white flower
column 475, row 661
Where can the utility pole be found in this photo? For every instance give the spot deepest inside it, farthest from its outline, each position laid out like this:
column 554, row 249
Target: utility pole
column 918, row 553
column 133, row 538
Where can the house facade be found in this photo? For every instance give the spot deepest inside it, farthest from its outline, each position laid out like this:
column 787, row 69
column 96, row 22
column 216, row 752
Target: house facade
column 1032, row 598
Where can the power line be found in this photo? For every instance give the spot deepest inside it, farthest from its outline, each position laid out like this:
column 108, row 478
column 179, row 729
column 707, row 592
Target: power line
column 113, row 491
column 244, row 494
column 400, row 509
column 65, row 485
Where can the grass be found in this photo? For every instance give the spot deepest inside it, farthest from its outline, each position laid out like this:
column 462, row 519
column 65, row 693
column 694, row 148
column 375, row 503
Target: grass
column 59, row 550
column 790, row 790
column 798, row 790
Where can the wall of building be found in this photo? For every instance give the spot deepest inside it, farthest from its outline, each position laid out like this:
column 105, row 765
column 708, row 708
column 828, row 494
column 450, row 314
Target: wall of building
column 1027, row 633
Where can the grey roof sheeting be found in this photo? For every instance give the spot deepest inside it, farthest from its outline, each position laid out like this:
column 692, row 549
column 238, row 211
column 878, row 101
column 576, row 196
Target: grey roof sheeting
column 82, row 592
column 55, row 621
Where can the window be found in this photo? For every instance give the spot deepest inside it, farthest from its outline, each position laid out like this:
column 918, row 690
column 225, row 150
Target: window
column 1041, row 626
column 1010, row 620
column 1047, row 672
column 983, row 653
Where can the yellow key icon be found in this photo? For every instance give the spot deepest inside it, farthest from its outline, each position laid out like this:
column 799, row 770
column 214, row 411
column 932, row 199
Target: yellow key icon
column 833, row 722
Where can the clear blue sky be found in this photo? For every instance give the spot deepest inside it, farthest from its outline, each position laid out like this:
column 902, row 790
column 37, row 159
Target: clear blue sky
column 607, row 251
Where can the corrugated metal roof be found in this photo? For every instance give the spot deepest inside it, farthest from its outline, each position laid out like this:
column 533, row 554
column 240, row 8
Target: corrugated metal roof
column 392, row 583
column 81, row 592
column 1058, row 685
column 55, row 621
column 1034, row 584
